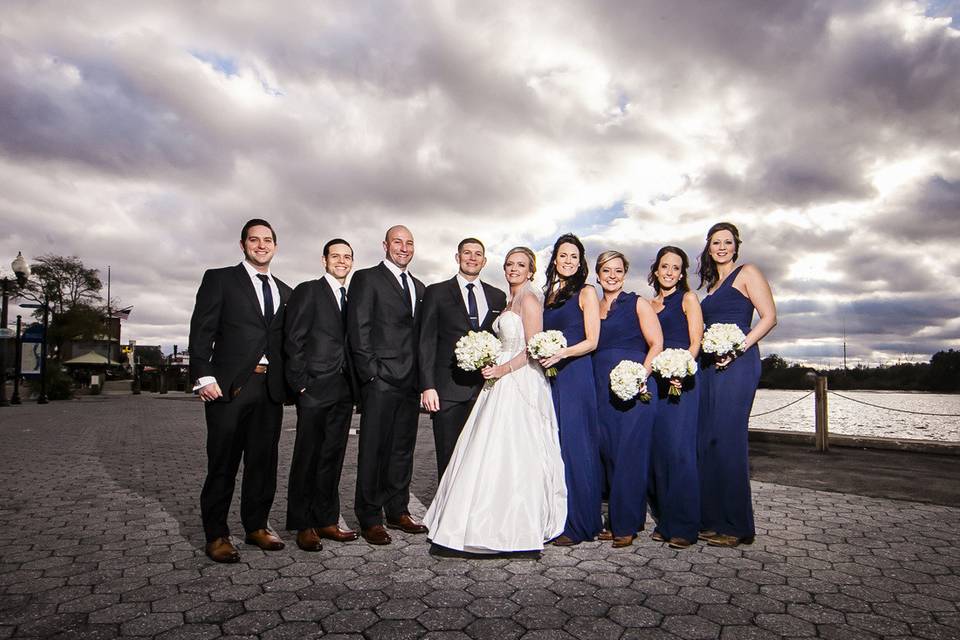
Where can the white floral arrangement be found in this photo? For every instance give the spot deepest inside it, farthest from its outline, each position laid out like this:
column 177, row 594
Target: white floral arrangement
column 674, row 364
column 547, row 344
column 626, row 380
column 476, row 350
column 723, row 340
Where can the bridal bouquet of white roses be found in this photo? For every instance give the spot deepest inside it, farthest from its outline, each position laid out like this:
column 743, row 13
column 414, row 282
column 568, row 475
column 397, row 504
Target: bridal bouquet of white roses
column 723, row 340
column 477, row 350
column 546, row 344
column 674, row 364
column 627, row 378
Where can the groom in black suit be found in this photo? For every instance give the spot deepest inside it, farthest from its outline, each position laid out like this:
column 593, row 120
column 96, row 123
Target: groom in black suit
column 319, row 372
column 450, row 310
column 383, row 327
column 236, row 359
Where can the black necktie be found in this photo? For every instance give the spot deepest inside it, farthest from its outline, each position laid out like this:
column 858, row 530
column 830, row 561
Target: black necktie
column 472, row 308
column 267, row 298
column 343, row 305
column 406, row 291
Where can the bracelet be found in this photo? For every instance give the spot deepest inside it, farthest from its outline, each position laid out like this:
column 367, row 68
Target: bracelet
column 510, row 366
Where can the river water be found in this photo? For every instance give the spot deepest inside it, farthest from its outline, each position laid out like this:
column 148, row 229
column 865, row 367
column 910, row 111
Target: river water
column 852, row 418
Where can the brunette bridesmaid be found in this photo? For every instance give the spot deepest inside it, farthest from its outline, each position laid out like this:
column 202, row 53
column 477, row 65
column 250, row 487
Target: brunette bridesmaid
column 674, row 485
column 574, row 309
column 728, row 388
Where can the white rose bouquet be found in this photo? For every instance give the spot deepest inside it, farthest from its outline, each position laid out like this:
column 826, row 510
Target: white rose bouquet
column 674, row 364
column 476, row 350
column 723, row 340
column 546, row 344
column 627, row 378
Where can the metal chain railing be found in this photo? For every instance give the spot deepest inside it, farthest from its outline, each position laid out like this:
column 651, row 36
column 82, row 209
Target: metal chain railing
column 879, row 406
column 792, row 402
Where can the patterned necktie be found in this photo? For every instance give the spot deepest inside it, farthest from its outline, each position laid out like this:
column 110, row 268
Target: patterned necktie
column 267, row 298
column 472, row 308
column 406, row 291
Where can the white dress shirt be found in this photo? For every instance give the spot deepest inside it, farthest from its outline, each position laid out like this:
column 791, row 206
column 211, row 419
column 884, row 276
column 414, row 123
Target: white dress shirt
column 396, row 271
column 335, row 287
column 478, row 292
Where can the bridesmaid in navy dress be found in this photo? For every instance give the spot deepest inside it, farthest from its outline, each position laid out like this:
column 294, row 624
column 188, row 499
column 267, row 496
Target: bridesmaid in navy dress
column 729, row 385
column 628, row 331
column 574, row 309
column 674, row 485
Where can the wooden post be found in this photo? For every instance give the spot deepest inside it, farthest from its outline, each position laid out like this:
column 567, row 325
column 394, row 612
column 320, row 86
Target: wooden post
column 822, row 435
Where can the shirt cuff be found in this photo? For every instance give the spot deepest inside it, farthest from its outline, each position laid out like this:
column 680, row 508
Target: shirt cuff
column 204, row 381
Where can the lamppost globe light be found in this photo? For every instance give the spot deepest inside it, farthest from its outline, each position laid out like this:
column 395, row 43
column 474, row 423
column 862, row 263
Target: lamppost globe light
column 21, row 268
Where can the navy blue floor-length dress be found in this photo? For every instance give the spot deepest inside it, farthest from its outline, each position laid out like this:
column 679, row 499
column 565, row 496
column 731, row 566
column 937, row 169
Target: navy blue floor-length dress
column 575, row 400
column 674, row 483
column 625, row 427
column 726, row 399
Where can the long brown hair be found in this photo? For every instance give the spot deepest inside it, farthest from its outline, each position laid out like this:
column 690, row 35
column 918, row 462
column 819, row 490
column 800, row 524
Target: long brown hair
column 682, row 284
column 707, row 267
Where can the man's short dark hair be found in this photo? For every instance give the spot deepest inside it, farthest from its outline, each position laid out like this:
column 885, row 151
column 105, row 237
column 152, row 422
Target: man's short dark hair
column 330, row 243
column 256, row 222
column 470, row 241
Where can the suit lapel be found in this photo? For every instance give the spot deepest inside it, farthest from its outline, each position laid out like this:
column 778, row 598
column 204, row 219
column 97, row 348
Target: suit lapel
column 332, row 300
column 392, row 280
column 247, row 287
column 456, row 298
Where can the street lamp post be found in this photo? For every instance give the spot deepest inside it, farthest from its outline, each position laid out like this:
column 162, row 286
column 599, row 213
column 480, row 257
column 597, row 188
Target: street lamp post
column 17, row 372
column 42, row 398
column 22, row 271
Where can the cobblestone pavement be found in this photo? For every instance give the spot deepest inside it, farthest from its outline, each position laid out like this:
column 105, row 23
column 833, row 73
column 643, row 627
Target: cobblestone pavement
column 100, row 537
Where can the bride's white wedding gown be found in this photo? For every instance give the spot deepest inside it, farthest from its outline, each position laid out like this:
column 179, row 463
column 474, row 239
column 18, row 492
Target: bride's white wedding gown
column 504, row 488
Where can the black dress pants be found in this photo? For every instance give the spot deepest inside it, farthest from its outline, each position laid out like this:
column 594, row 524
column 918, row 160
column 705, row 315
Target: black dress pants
column 247, row 428
column 388, row 436
column 313, row 498
column 447, row 424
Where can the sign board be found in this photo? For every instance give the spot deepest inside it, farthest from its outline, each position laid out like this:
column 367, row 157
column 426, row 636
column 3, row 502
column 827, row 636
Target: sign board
column 30, row 360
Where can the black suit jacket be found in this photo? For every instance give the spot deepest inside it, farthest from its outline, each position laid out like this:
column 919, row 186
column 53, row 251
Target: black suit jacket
column 228, row 333
column 382, row 334
column 316, row 357
column 444, row 320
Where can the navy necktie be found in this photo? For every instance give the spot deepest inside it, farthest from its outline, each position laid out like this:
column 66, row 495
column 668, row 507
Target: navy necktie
column 343, row 305
column 472, row 308
column 406, row 291
column 267, row 298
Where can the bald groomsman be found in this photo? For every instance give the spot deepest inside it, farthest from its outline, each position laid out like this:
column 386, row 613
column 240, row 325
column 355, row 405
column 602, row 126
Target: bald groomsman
column 382, row 322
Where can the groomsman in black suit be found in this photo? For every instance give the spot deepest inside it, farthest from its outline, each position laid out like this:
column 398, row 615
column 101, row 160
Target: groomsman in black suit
column 318, row 370
column 450, row 310
column 383, row 328
column 236, row 358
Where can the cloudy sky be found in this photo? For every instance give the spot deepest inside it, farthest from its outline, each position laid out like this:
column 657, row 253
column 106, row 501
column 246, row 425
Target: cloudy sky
column 143, row 135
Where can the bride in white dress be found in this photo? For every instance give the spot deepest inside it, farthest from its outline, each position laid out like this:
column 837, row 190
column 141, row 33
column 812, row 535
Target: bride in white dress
column 504, row 488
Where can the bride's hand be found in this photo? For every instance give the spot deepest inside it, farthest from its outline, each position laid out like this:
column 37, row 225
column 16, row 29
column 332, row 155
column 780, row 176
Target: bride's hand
column 493, row 371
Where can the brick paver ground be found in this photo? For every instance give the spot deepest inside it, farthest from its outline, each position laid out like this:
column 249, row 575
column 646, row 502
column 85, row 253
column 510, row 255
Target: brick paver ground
column 100, row 537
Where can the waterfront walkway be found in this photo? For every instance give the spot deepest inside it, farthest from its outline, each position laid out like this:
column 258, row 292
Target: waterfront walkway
column 100, row 538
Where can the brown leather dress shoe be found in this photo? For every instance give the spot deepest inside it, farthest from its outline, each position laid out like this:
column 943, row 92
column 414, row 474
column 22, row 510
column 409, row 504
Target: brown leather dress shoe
column 605, row 535
column 309, row 540
column 265, row 539
column 334, row 532
column 222, row 550
column 407, row 524
column 376, row 535
column 678, row 543
column 623, row 541
column 564, row 541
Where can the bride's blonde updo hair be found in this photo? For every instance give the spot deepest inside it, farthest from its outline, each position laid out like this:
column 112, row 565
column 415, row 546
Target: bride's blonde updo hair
column 527, row 251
